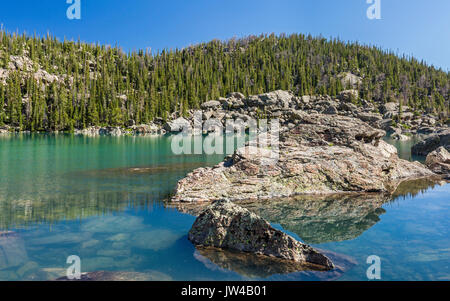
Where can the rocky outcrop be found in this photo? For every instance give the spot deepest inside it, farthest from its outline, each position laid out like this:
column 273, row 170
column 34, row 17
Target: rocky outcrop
column 143, row 129
column 228, row 226
column 284, row 106
column 434, row 141
column 322, row 154
column 350, row 79
column 439, row 161
column 23, row 64
column 178, row 125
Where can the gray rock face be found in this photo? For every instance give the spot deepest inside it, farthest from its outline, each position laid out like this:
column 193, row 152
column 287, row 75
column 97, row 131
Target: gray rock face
column 322, row 154
column 348, row 95
column 331, row 110
column 433, row 142
column 236, row 95
column 389, row 107
column 104, row 131
column 228, row 226
column 177, row 125
column 213, row 104
column 145, row 129
column 439, row 161
column 350, row 79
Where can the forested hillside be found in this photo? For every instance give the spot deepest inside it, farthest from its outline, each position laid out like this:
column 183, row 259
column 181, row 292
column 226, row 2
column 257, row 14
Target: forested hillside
column 46, row 84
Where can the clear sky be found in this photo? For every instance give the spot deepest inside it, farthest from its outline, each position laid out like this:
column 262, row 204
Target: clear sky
column 415, row 27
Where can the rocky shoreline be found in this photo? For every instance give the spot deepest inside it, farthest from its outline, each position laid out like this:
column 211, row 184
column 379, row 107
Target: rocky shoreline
column 324, row 146
column 401, row 122
column 323, row 149
column 323, row 154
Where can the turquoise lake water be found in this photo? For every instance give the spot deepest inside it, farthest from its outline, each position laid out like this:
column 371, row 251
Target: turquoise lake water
column 102, row 199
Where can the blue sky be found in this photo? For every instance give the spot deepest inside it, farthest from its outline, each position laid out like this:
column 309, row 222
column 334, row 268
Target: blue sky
column 415, row 27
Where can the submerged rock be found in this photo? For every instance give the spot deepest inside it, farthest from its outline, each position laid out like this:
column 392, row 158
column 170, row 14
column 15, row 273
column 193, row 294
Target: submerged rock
column 120, row 276
column 12, row 250
column 156, row 240
column 226, row 225
column 322, row 154
column 439, row 161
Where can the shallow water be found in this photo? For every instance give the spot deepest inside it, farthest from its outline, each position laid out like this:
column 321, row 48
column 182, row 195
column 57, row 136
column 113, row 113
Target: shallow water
column 102, row 199
column 404, row 148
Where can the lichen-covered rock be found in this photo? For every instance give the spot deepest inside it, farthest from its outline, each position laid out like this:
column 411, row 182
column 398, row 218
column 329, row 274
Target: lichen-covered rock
column 439, row 161
column 145, row 129
column 348, row 95
column 177, row 125
column 322, row 154
column 212, row 104
column 228, row 226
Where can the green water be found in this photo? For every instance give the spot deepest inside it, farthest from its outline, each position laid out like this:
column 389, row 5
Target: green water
column 102, row 199
column 404, row 148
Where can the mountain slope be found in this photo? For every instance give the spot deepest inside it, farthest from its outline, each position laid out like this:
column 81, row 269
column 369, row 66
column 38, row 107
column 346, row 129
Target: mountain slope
column 46, row 84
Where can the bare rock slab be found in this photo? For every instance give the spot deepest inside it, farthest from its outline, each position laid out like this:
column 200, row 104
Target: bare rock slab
column 228, row 226
column 323, row 154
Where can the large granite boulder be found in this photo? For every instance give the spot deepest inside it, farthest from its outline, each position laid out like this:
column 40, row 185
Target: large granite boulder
column 213, row 104
column 433, row 142
column 145, row 129
column 228, row 226
column 177, row 125
column 322, row 154
column 439, row 161
column 348, row 95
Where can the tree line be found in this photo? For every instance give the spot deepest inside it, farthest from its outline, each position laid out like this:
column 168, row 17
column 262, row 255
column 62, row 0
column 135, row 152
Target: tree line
column 103, row 85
